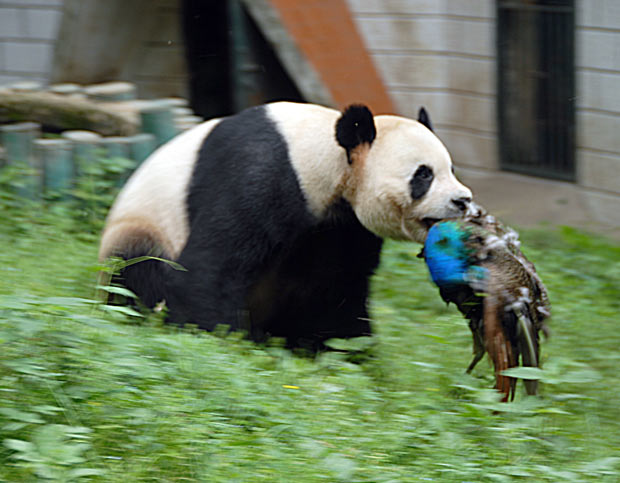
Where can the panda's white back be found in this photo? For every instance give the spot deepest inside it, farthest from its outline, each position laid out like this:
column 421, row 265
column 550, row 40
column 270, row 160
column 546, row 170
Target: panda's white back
column 153, row 199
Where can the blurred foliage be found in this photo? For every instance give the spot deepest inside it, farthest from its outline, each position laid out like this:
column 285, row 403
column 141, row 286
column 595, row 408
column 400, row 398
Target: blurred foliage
column 95, row 189
column 86, row 203
column 102, row 395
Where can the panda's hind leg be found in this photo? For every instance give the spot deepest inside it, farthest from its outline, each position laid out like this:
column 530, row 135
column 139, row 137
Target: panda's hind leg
column 145, row 279
column 142, row 275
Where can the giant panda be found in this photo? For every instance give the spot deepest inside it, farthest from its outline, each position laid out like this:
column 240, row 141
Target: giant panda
column 277, row 214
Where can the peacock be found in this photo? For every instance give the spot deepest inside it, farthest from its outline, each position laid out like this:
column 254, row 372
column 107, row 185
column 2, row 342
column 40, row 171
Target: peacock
column 478, row 265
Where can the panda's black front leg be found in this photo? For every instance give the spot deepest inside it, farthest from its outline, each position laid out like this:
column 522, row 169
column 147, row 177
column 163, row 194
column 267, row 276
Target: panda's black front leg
column 348, row 316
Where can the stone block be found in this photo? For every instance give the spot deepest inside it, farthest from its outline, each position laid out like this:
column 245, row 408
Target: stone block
column 34, row 3
column 411, row 70
column 598, row 49
column 465, row 124
column 467, row 8
column 470, row 149
column 395, row 7
column 598, row 90
column 604, row 207
column 599, row 131
column 42, row 24
column 408, row 102
column 429, row 34
column 9, row 79
column 435, row 70
column 450, row 109
column 599, row 171
column 12, row 22
column 598, row 13
column 27, row 57
column 472, row 74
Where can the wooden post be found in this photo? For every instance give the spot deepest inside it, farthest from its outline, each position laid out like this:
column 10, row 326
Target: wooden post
column 187, row 122
column 182, row 111
column 17, row 140
column 111, row 91
column 119, row 147
column 141, row 146
column 157, row 119
column 116, row 147
column 85, row 147
column 27, row 86
column 175, row 102
column 58, row 170
column 67, row 89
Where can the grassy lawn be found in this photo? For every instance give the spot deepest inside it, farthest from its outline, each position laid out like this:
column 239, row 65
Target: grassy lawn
column 86, row 393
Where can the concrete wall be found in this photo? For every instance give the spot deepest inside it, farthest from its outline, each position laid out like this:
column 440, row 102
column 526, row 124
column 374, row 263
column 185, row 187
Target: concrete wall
column 138, row 41
column 598, row 104
column 158, row 67
column 28, row 30
column 440, row 54
column 152, row 53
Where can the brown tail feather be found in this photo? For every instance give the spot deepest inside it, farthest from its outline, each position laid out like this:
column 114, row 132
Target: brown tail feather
column 498, row 347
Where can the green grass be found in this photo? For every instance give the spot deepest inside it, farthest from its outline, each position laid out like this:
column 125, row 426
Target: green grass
column 86, row 393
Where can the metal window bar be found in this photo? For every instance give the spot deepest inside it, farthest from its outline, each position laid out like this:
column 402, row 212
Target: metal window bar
column 536, row 87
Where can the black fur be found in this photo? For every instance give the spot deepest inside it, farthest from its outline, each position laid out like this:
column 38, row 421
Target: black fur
column 144, row 278
column 424, row 118
column 421, row 181
column 355, row 126
column 321, row 283
column 256, row 258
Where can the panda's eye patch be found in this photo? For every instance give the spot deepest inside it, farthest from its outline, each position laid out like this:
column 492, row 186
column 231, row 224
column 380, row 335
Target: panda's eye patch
column 421, row 182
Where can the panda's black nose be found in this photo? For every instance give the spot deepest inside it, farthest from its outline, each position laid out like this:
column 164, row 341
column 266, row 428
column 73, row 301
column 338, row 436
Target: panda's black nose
column 461, row 203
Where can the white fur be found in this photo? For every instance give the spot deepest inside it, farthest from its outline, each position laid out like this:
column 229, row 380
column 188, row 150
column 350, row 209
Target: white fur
column 319, row 162
column 154, row 197
column 382, row 198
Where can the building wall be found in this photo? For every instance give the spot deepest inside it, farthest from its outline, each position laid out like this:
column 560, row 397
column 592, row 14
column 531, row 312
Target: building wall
column 28, row 30
column 598, row 104
column 138, row 41
column 158, row 67
column 152, row 55
column 440, row 54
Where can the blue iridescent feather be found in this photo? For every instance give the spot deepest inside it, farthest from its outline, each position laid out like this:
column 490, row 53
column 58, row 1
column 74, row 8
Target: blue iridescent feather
column 450, row 260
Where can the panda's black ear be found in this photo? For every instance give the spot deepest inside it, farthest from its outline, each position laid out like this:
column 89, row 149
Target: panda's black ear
column 356, row 126
column 424, row 118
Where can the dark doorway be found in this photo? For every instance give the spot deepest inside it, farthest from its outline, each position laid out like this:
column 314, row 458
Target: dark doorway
column 231, row 65
column 536, row 87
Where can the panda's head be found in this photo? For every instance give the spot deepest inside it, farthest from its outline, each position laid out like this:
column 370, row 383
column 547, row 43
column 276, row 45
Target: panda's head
column 400, row 179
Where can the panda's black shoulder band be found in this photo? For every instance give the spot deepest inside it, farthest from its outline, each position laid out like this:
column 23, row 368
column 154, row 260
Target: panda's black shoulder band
column 356, row 126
